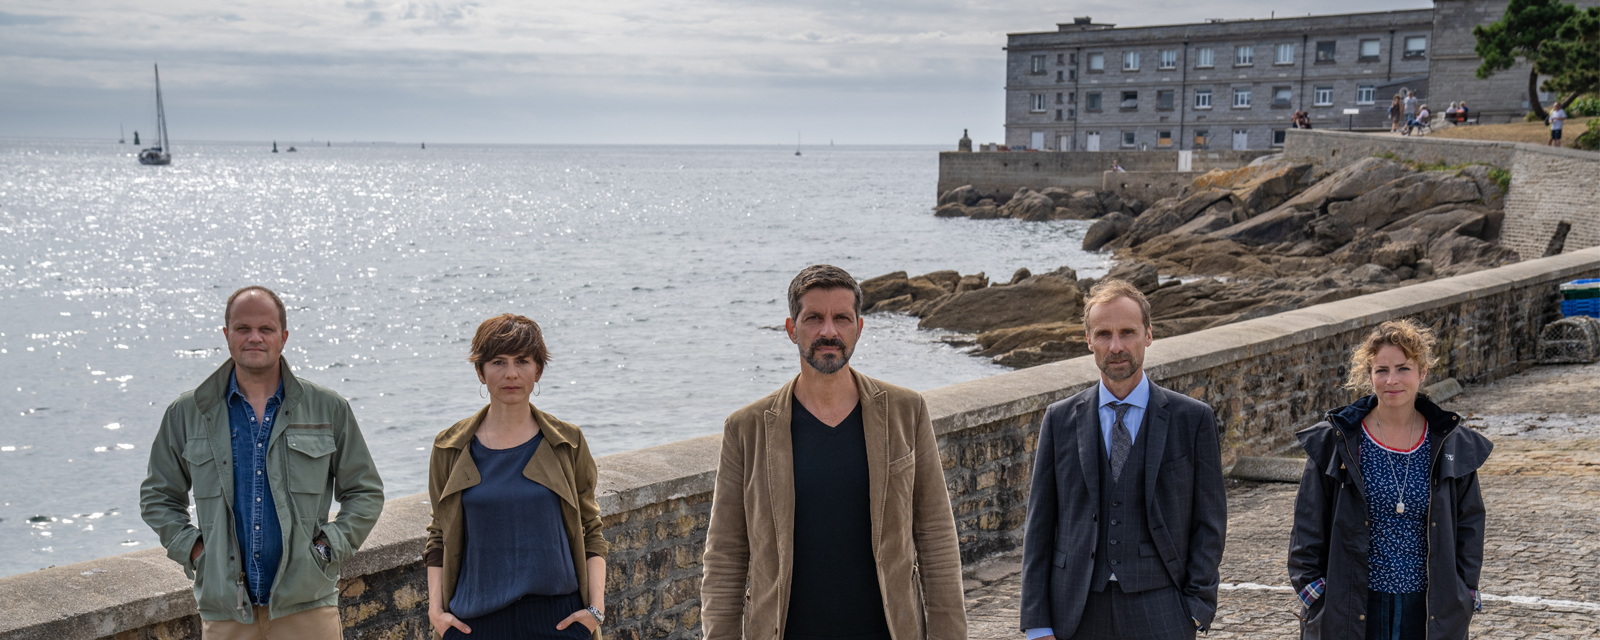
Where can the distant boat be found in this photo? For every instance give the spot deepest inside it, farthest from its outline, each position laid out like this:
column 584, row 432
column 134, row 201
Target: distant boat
column 424, row 145
column 274, row 146
column 161, row 154
column 292, row 149
column 330, row 143
column 797, row 144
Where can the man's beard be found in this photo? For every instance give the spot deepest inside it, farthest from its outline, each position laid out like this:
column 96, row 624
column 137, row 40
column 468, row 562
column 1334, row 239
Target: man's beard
column 830, row 363
column 1123, row 359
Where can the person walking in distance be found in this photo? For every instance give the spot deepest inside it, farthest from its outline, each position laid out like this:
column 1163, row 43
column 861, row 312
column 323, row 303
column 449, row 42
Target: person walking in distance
column 1558, row 117
column 1396, row 109
column 1411, row 103
column 265, row 454
column 1127, row 514
column 1387, row 542
column 830, row 518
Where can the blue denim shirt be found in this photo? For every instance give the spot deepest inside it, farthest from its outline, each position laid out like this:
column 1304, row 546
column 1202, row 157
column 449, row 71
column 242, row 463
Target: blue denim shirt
column 255, row 517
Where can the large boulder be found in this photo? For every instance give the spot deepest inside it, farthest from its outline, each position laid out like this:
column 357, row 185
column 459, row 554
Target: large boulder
column 1044, row 298
column 1257, row 187
column 1141, row 275
column 1285, row 223
column 1000, row 341
column 1045, row 353
column 1397, row 199
column 946, row 279
column 884, row 287
column 1169, row 214
column 950, row 210
column 1349, row 183
column 963, row 195
column 1029, row 205
column 1426, row 226
column 1493, row 196
column 1360, row 250
column 1456, row 254
column 1105, row 230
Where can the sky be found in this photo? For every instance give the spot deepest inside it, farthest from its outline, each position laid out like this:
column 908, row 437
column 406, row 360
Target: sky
column 539, row 72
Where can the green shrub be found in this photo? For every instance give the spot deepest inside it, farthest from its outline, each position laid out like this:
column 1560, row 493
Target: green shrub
column 1584, row 107
column 1590, row 140
column 1501, row 177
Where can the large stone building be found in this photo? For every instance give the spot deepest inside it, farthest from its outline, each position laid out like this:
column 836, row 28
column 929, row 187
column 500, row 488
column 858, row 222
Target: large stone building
column 1233, row 84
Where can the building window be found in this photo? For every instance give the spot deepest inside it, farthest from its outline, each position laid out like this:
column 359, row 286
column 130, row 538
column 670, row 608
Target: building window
column 1163, row 138
column 1164, row 99
column 1127, row 139
column 1244, row 56
column 1093, row 99
column 1038, row 102
column 1097, row 62
column 1061, row 58
column 1072, row 113
column 1416, row 46
column 1060, row 75
column 1202, row 138
column 1072, row 75
column 1278, row 135
column 1323, row 97
column 1038, row 65
column 1204, row 57
column 1285, row 54
column 1130, row 100
column 1058, row 97
column 1366, row 94
column 1370, row 50
column 1282, row 96
column 1326, row 49
column 1130, row 61
column 1072, row 98
column 1169, row 58
column 1202, row 98
column 1241, row 98
column 1058, row 115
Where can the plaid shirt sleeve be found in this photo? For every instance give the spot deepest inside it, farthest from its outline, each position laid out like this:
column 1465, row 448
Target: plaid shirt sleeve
column 1312, row 591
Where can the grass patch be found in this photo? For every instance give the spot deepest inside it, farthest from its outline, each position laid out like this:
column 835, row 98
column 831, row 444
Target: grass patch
column 1529, row 132
column 1500, row 176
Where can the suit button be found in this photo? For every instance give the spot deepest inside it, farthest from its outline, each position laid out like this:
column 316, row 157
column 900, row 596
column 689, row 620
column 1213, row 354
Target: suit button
column 1116, row 504
column 1113, row 563
column 1363, row 616
column 1113, row 542
column 1113, row 523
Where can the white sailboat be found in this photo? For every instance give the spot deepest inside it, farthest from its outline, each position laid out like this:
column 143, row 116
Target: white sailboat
column 161, row 153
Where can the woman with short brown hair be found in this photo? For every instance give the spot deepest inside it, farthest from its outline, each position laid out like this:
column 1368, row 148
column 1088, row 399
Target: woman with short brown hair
column 1389, row 521
column 514, row 549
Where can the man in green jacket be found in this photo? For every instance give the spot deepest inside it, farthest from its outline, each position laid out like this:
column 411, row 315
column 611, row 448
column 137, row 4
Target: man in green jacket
column 264, row 454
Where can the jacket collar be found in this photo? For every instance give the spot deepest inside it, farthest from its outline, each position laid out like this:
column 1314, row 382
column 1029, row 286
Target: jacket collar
column 213, row 393
column 1091, row 444
column 459, row 436
column 1457, row 452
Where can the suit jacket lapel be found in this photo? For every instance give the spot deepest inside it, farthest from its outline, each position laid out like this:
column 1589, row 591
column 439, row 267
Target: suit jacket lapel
column 875, row 425
column 779, row 452
column 1154, row 431
column 1086, row 419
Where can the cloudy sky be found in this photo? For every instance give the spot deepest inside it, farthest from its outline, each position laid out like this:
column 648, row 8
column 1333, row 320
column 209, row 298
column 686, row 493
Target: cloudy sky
column 504, row 71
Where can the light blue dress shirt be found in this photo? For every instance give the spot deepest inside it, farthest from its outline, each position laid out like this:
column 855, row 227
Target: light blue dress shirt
column 1140, row 399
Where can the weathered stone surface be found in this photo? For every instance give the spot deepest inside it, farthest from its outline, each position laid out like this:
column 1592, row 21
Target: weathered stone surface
column 1000, row 341
column 1105, row 230
column 945, row 279
column 1263, row 469
column 1038, row 299
column 884, row 287
column 1402, row 197
column 1167, row 215
column 1141, row 275
column 972, row 283
column 1029, row 205
column 963, row 195
column 1257, row 187
column 1454, row 254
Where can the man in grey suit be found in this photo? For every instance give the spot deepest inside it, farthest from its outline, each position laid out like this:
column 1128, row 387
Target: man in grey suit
column 1127, row 513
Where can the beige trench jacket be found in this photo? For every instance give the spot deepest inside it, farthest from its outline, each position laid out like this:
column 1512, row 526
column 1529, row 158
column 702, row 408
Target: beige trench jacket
column 562, row 463
column 751, row 537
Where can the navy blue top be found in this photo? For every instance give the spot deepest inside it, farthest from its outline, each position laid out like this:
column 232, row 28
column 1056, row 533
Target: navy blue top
column 1399, row 555
column 255, row 516
column 515, row 542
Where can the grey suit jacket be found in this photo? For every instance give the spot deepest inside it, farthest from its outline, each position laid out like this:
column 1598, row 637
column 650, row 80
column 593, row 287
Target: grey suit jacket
column 1185, row 504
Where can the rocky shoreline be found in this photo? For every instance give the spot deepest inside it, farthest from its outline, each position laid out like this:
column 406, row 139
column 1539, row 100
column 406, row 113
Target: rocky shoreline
column 1236, row 245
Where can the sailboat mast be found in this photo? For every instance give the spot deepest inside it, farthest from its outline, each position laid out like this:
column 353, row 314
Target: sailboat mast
column 161, row 114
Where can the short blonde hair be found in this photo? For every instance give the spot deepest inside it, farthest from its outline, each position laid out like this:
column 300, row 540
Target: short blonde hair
column 1111, row 289
column 1414, row 340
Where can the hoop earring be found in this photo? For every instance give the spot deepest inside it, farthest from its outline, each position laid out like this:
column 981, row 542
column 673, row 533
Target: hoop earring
column 535, row 387
column 481, row 391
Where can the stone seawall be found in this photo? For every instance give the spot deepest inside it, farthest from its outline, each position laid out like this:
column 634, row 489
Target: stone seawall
column 1000, row 174
column 1554, row 193
column 1148, row 186
column 1266, row 378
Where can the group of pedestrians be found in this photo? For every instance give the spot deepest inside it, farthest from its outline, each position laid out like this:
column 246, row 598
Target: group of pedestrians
column 830, row 517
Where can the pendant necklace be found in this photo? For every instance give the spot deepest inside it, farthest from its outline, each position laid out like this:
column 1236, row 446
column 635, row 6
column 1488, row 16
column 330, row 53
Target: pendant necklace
column 1400, row 489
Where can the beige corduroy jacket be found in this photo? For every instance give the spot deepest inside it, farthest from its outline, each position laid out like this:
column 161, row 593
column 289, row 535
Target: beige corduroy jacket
column 751, row 537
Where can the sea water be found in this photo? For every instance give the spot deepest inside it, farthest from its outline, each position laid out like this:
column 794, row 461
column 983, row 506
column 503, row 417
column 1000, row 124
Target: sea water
column 658, row 273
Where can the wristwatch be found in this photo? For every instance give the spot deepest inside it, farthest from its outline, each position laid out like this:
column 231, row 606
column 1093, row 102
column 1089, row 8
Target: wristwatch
column 599, row 616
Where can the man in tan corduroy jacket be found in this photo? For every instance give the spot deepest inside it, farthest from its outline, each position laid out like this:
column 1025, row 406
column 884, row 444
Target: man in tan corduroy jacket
column 830, row 516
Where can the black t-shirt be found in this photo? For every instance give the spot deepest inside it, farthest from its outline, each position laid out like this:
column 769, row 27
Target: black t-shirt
column 834, row 593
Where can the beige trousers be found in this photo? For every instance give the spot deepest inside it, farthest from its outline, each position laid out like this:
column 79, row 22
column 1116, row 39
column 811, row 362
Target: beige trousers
column 321, row 623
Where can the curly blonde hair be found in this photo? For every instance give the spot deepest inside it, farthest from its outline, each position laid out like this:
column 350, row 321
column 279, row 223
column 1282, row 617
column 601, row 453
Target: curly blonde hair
column 1414, row 340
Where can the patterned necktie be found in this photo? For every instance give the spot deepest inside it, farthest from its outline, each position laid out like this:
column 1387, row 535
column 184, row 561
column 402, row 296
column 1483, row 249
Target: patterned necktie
column 1121, row 440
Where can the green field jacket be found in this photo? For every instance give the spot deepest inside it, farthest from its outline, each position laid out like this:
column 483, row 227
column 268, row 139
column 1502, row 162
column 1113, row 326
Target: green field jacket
column 315, row 454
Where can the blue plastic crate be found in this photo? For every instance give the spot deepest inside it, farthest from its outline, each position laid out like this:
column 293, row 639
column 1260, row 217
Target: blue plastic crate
column 1587, row 307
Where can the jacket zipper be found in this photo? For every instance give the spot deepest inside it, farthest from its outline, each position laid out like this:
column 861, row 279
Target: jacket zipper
column 1427, row 537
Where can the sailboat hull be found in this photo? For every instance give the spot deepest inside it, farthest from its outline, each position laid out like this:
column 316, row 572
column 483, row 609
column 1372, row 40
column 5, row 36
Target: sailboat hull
column 153, row 157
